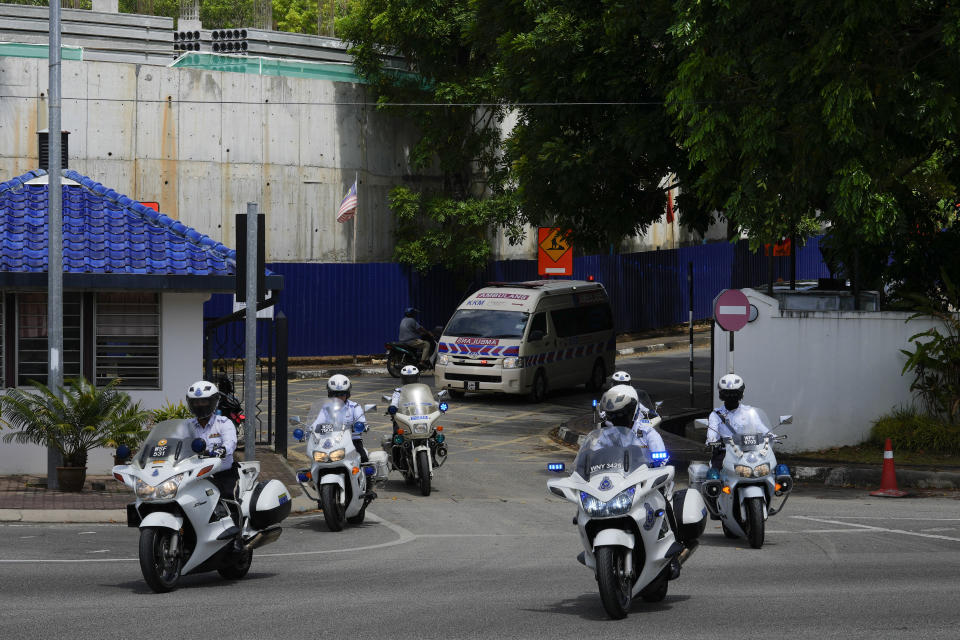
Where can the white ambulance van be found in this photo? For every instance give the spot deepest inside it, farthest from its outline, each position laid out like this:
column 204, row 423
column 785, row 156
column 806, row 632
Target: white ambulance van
column 528, row 337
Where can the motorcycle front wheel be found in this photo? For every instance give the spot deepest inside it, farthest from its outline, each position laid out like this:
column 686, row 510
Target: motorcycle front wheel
column 613, row 579
column 423, row 468
column 394, row 363
column 239, row 568
column 160, row 571
column 755, row 522
column 333, row 511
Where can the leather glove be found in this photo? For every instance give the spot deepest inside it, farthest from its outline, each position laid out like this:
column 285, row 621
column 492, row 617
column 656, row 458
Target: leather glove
column 219, row 452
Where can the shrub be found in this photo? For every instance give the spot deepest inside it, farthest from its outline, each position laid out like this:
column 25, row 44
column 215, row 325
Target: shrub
column 171, row 411
column 911, row 430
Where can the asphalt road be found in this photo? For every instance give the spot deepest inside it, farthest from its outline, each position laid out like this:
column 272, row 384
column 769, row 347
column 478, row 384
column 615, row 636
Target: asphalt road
column 491, row 554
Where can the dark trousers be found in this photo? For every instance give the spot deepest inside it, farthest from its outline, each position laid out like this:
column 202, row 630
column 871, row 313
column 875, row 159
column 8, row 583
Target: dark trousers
column 358, row 445
column 716, row 460
column 226, row 482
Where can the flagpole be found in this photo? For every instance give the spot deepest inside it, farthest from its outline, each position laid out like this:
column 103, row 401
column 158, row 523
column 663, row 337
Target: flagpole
column 356, row 211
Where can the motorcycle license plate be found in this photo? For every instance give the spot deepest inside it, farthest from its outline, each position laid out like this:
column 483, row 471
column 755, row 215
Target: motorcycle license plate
column 750, row 440
column 471, row 386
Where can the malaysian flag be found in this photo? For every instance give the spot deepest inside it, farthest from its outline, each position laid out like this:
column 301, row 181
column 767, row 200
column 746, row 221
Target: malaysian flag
column 348, row 207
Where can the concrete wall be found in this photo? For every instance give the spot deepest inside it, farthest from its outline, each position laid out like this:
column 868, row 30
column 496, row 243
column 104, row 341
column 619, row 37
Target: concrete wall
column 181, row 363
column 834, row 371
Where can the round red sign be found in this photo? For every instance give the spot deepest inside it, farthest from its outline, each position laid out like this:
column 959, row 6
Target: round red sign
column 732, row 310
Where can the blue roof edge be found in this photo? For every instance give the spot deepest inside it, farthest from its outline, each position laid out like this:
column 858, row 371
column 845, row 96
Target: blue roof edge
column 160, row 219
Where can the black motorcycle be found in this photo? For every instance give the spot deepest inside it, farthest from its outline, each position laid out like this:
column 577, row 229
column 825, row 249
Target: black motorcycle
column 400, row 354
column 229, row 405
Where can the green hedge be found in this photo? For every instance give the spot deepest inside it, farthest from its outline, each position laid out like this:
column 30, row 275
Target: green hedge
column 910, row 430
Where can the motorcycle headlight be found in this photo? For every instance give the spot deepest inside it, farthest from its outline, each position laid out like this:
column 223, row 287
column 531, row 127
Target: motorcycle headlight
column 761, row 470
column 144, row 490
column 511, row 363
column 619, row 505
column 443, row 359
column 743, row 471
column 337, row 455
column 320, row 456
column 420, row 427
column 168, row 488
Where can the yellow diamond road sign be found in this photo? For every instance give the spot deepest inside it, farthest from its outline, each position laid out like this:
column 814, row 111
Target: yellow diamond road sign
column 555, row 245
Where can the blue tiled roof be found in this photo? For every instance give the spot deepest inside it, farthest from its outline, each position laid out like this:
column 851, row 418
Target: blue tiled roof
column 103, row 232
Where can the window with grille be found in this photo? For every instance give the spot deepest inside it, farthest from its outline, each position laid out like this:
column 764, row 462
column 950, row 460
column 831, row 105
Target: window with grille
column 32, row 348
column 128, row 339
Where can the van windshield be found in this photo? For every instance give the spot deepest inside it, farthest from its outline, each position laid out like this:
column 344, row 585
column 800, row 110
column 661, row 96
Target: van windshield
column 486, row 323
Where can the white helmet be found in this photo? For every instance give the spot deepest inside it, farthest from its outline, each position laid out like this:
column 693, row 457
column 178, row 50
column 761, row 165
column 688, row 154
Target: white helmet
column 338, row 385
column 202, row 399
column 619, row 404
column 731, row 386
column 620, row 377
column 409, row 374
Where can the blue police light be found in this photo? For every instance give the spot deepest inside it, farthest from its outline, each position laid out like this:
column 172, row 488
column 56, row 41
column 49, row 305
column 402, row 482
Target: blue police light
column 369, row 471
column 398, row 439
column 594, row 402
column 713, row 474
column 556, row 466
column 440, row 438
column 781, row 470
column 198, row 445
column 298, row 434
column 302, row 477
column 658, row 455
column 444, row 406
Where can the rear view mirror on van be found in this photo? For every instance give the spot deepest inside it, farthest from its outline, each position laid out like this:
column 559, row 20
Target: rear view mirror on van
column 535, row 335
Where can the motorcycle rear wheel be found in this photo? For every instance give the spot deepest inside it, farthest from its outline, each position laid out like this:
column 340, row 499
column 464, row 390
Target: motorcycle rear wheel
column 423, row 468
column 727, row 532
column 613, row 580
column 159, row 572
column 239, row 568
column 333, row 511
column 395, row 363
column 755, row 522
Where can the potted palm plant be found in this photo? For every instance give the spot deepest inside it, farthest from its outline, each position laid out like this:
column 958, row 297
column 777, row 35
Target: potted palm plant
column 80, row 418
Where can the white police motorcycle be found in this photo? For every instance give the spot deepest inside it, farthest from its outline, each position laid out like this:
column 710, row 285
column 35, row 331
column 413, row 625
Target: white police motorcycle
column 635, row 529
column 741, row 495
column 419, row 445
column 184, row 526
column 343, row 484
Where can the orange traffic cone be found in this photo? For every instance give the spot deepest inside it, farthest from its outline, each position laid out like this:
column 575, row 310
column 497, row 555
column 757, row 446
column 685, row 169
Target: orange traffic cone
column 888, row 479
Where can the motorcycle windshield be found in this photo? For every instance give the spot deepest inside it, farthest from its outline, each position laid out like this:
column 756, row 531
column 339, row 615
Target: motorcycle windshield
column 168, row 441
column 416, row 400
column 332, row 417
column 487, row 323
column 610, row 449
column 750, row 434
column 645, row 406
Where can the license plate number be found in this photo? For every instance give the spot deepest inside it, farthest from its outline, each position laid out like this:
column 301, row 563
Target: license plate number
column 750, row 441
column 159, row 452
column 471, row 386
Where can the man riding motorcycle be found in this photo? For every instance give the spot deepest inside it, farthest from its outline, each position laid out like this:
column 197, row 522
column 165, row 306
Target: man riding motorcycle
column 730, row 419
column 408, row 375
column 217, row 431
column 339, row 386
column 413, row 334
column 621, row 407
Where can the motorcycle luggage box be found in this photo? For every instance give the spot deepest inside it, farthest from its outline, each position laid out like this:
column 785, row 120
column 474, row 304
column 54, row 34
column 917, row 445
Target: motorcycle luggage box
column 379, row 458
column 690, row 513
column 697, row 473
column 270, row 504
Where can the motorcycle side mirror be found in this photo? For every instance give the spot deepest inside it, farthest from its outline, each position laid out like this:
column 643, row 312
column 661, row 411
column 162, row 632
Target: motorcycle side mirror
column 657, row 404
column 442, row 395
column 386, row 397
column 198, row 445
column 786, row 419
column 123, row 452
column 369, row 407
column 294, row 420
column 298, row 435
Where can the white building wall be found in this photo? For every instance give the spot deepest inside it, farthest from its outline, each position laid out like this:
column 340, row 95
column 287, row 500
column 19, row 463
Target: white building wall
column 181, row 363
column 834, row 371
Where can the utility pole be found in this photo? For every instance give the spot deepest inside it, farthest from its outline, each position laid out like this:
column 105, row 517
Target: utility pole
column 250, row 358
column 55, row 235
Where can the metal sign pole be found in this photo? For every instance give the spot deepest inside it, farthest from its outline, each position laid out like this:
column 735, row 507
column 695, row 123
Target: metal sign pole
column 55, row 235
column 690, row 287
column 730, row 353
column 250, row 359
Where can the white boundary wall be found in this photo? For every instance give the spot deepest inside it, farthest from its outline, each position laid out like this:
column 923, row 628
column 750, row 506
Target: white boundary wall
column 834, row 371
column 181, row 363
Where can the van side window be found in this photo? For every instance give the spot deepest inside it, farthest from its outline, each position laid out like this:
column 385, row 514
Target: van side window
column 565, row 321
column 539, row 323
column 580, row 320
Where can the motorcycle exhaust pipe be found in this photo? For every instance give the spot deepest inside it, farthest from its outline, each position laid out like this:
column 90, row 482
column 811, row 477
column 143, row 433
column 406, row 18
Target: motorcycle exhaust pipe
column 263, row 537
column 688, row 551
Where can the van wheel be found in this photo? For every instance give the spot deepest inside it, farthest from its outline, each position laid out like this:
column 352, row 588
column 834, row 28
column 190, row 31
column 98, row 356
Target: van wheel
column 538, row 391
column 597, row 377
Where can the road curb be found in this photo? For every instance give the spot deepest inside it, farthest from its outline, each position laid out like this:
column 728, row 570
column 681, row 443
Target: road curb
column 663, row 346
column 301, row 374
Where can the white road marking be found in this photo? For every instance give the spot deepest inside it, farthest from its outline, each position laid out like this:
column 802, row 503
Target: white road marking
column 881, row 529
column 86, row 533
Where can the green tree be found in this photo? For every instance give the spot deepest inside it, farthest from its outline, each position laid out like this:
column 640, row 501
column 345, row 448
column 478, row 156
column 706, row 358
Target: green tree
column 295, row 16
column 835, row 113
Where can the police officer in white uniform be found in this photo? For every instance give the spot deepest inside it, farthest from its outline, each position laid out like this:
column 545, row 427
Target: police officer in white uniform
column 730, row 419
column 338, row 386
column 621, row 408
column 408, row 375
column 217, row 431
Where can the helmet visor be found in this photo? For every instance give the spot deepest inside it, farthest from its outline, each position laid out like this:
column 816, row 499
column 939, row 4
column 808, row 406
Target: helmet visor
column 202, row 407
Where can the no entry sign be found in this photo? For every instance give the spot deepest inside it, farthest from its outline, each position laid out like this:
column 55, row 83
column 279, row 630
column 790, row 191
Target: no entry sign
column 731, row 310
